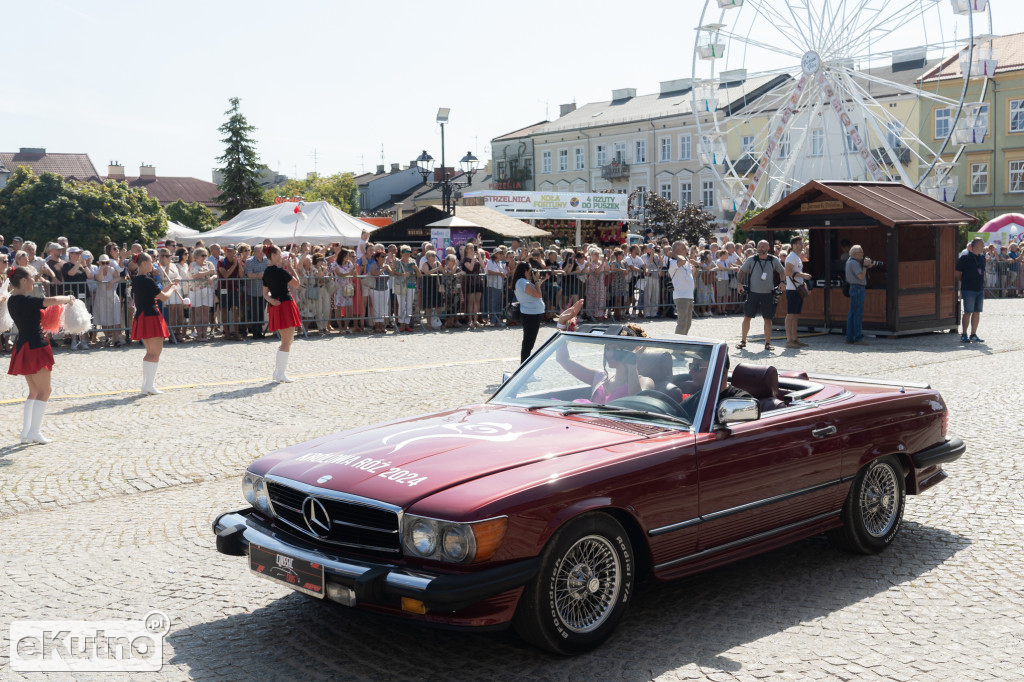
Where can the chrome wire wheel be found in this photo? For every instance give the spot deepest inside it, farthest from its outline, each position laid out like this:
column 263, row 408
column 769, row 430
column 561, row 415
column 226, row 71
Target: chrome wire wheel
column 587, row 584
column 880, row 500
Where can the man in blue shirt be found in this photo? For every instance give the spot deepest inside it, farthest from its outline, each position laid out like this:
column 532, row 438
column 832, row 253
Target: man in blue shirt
column 970, row 273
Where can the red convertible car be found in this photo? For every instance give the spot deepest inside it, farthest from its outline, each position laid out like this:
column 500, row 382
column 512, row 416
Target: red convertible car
column 601, row 459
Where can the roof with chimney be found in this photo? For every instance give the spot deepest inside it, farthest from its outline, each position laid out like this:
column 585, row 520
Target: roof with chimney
column 70, row 166
column 382, row 172
column 168, row 189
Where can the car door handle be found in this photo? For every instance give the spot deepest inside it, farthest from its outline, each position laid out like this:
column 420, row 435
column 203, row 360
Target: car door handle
column 822, row 432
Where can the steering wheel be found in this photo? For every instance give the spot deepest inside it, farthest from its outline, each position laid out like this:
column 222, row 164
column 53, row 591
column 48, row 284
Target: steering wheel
column 651, row 400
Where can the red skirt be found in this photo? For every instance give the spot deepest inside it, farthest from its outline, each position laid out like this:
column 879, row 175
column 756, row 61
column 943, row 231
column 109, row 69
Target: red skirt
column 283, row 316
column 25, row 360
column 149, row 327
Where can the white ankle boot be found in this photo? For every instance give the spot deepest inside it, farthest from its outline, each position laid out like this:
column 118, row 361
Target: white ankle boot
column 149, row 378
column 26, row 425
column 34, row 436
column 280, row 371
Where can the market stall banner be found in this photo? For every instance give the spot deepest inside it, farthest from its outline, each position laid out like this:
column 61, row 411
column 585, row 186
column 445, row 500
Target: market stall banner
column 556, row 205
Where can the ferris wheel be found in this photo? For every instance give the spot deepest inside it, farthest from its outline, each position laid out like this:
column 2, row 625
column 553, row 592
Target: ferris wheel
column 788, row 91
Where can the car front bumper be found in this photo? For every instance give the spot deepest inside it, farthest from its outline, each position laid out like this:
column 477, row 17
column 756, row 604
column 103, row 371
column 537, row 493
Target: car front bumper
column 360, row 582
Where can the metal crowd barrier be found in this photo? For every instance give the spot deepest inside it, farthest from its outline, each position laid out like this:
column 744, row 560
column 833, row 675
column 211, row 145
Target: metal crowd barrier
column 1004, row 280
column 328, row 303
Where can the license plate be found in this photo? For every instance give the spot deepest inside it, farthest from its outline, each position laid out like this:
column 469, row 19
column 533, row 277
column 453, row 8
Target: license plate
column 298, row 574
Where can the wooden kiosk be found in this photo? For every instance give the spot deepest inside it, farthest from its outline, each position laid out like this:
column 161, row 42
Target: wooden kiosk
column 911, row 233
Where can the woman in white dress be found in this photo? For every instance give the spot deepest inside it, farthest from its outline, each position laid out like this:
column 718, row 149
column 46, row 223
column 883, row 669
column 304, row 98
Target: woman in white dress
column 202, row 275
column 343, row 269
column 176, row 271
column 106, row 305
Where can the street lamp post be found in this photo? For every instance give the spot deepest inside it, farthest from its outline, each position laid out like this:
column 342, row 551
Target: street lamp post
column 468, row 164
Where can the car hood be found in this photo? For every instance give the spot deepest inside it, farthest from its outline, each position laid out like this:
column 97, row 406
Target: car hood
column 402, row 462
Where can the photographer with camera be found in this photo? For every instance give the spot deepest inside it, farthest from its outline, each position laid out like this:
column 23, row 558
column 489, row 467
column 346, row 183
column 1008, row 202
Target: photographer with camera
column 857, row 267
column 758, row 276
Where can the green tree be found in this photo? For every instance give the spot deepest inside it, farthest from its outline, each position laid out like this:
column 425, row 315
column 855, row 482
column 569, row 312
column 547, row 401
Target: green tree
column 240, row 188
column 689, row 221
column 742, row 235
column 194, row 215
column 46, row 206
column 339, row 190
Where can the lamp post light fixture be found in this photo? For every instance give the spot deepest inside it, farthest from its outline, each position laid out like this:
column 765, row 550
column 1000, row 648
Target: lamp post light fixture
column 468, row 165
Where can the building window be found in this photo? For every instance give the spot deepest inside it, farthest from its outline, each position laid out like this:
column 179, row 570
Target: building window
column 817, row 142
column 641, row 195
column 784, row 146
column 620, row 152
column 746, row 144
column 665, row 149
column 851, row 144
column 1017, row 115
column 707, row 192
column 684, row 148
column 563, row 160
column 666, row 191
column 685, row 192
column 545, row 162
column 601, row 154
column 979, row 178
column 501, row 170
column 942, row 119
column 578, row 157
column 894, row 134
column 1016, row 176
column 639, row 151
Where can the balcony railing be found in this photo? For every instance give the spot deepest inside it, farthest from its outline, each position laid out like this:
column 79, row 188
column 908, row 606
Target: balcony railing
column 615, row 170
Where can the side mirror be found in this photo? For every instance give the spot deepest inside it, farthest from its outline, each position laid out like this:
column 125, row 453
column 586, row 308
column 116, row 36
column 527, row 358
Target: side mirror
column 735, row 410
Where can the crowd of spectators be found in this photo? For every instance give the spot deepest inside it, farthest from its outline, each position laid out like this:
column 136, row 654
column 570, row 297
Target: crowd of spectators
column 373, row 288
column 1003, row 271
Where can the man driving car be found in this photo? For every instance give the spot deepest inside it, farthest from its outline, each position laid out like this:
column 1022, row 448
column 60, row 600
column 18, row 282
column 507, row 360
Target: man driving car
column 698, row 373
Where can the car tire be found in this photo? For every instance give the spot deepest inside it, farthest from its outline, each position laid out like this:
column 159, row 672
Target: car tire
column 874, row 507
column 583, row 587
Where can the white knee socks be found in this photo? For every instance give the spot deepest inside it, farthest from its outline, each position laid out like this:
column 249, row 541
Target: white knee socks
column 280, row 371
column 149, row 378
column 38, row 409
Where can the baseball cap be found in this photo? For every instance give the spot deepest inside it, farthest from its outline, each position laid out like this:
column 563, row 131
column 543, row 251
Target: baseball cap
column 73, row 249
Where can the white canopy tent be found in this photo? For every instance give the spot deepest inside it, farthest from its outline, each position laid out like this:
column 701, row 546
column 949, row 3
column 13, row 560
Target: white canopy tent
column 179, row 232
column 323, row 224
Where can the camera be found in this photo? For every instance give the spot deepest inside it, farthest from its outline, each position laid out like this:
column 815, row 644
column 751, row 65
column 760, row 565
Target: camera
column 877, row 264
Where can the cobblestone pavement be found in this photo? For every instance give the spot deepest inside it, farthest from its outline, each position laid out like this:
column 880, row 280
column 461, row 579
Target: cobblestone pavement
column 112, row 520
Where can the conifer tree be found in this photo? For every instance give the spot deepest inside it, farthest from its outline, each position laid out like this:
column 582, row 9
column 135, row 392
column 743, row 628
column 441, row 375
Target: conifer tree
column 240, row 187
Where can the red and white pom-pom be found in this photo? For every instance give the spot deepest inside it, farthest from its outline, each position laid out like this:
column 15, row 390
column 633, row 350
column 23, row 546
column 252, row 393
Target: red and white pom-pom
column 50, row 319
column 75, row 318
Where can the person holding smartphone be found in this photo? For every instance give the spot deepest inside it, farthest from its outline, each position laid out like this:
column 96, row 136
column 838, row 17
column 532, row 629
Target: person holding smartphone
column 531, row 305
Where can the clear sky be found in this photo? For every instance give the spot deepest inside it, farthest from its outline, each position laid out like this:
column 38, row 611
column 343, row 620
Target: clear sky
column 150, row 81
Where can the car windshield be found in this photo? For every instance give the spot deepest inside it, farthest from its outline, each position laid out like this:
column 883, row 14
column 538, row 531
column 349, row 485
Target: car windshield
column 612, row 376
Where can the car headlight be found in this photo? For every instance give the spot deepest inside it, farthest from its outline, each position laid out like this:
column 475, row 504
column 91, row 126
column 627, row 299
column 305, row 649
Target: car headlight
column 249, row 487
column 456, row 543
column 423, row 537
column 451, row 541
column 262, row 498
